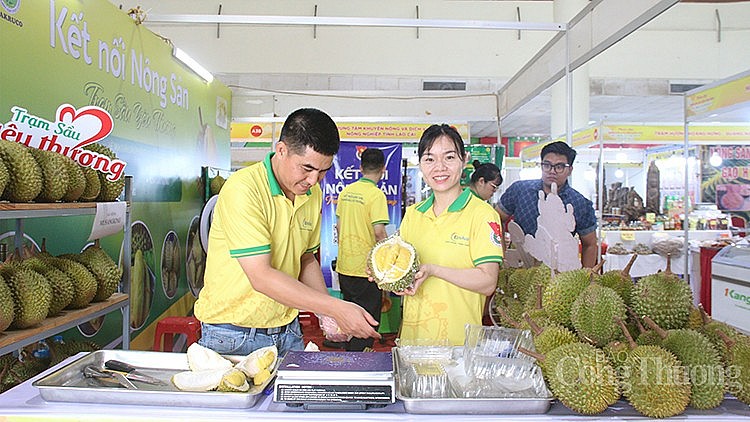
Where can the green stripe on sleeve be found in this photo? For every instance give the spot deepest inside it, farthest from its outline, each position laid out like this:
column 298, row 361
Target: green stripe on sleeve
column 313, row 249
column 257, row 250
column 386, row 222
column 486, row 259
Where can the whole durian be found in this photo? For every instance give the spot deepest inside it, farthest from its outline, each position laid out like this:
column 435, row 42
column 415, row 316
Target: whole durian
column 653, row 380
column 592, row 314
column 106, row 271
column 580, row 376
column 663, row 297
column 110, row 190
column 738, row 366
column 562, row 291
column 62, row 285
column 55, row 180
column 84, row 283
column 31, row 292
column 7, row 306
column 701, row 360
column 25, row 175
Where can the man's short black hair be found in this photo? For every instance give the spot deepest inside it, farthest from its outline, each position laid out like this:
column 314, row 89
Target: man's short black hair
column 373, row 159
column 310, row 127
column 559, row 147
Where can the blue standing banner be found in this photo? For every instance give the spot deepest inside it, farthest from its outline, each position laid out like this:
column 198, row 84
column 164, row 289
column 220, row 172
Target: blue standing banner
column 346, row 170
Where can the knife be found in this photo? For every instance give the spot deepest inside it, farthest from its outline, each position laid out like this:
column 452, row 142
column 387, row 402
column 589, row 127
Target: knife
column 131, row 372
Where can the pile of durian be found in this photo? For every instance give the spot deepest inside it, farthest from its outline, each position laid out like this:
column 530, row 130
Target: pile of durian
column 34, row 175
column 209, row 371
column 600, row 337
column 37, row 285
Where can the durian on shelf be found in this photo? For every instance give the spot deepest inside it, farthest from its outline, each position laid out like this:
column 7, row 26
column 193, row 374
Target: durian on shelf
column 29, row 174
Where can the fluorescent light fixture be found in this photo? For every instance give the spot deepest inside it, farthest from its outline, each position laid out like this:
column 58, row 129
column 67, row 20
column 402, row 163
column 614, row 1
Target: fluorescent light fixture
column 192, row 64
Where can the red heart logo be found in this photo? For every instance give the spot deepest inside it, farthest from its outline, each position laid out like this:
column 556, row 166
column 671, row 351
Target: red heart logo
column 91, row 122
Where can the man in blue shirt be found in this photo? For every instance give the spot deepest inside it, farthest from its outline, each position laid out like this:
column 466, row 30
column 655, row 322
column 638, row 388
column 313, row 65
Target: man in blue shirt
column 520, row 200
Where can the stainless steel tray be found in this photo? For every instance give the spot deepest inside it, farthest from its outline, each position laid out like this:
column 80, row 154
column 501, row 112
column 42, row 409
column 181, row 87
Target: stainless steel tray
column 530, row 405
column 68, row 384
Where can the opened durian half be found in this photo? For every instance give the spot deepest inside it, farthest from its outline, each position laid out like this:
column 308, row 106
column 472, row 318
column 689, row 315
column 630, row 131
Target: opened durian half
column 259, row 364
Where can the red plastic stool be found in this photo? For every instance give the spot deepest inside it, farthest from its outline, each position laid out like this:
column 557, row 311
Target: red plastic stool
column 167, row 327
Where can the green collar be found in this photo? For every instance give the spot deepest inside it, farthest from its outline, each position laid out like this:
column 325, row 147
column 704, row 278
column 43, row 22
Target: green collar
column 273, row 184
column 457, row 205
column 475, row 194
column 364, row 179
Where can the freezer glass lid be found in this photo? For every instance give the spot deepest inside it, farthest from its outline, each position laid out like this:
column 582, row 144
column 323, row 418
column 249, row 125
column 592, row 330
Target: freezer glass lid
column 740, row 254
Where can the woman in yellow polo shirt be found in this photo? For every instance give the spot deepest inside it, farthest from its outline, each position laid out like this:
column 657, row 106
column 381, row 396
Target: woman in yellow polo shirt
column 457, row 237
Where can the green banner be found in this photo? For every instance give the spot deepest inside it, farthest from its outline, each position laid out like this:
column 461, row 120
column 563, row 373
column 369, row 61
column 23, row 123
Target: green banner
column 167, row 123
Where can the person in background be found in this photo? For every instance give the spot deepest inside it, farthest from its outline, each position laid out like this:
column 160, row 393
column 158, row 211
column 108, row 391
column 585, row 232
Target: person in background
column 484, row 183
column 457, row 238
column 260, row 267
column 520, row 200
column 362, row 213
column 485, row 180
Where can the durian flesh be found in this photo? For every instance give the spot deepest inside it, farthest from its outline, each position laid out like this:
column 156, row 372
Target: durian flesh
column 257, row 361
column 202, row 358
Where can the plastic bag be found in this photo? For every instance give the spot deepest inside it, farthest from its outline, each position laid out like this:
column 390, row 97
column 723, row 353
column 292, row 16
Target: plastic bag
column 331, row 329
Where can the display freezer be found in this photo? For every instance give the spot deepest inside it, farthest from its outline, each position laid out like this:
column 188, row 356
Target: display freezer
column 730, row 286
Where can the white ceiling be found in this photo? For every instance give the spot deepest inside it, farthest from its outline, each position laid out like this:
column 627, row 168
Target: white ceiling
column 628, row 84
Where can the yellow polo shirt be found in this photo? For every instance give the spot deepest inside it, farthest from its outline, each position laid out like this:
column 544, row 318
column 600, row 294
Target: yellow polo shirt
column 254, row 217
column 360, row 206
column 463, row 236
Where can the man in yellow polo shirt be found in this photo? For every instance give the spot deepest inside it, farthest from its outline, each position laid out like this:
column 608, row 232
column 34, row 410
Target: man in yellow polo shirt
column 362, row 214
column 260, row 268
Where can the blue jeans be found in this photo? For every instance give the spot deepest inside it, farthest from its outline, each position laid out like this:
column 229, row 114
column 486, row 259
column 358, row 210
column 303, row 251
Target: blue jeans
column 228, row 339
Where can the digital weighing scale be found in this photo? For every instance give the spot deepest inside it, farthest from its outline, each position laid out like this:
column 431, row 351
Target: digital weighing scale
column 335, row 380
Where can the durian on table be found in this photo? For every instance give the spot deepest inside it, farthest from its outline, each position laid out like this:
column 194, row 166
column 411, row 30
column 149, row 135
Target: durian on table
column 209, row 371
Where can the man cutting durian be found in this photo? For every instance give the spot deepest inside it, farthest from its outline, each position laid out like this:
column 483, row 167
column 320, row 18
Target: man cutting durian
column 260, row 268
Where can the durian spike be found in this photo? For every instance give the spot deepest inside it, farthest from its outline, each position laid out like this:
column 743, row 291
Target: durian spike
column 535, row 329
column 650, row 322
column 727, row 340
column 704, row 315
column 626, row 271
column 538, row 356
column 507, row 317
column 626, row 333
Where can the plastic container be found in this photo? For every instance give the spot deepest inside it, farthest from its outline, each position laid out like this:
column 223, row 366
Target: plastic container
column 492, row 352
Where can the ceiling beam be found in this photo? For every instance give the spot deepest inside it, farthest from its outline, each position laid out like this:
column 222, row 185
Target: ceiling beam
column 350, row 21
column 597, row 27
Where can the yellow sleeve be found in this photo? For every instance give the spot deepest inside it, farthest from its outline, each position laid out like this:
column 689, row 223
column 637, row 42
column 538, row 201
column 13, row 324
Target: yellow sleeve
column 486, row 237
